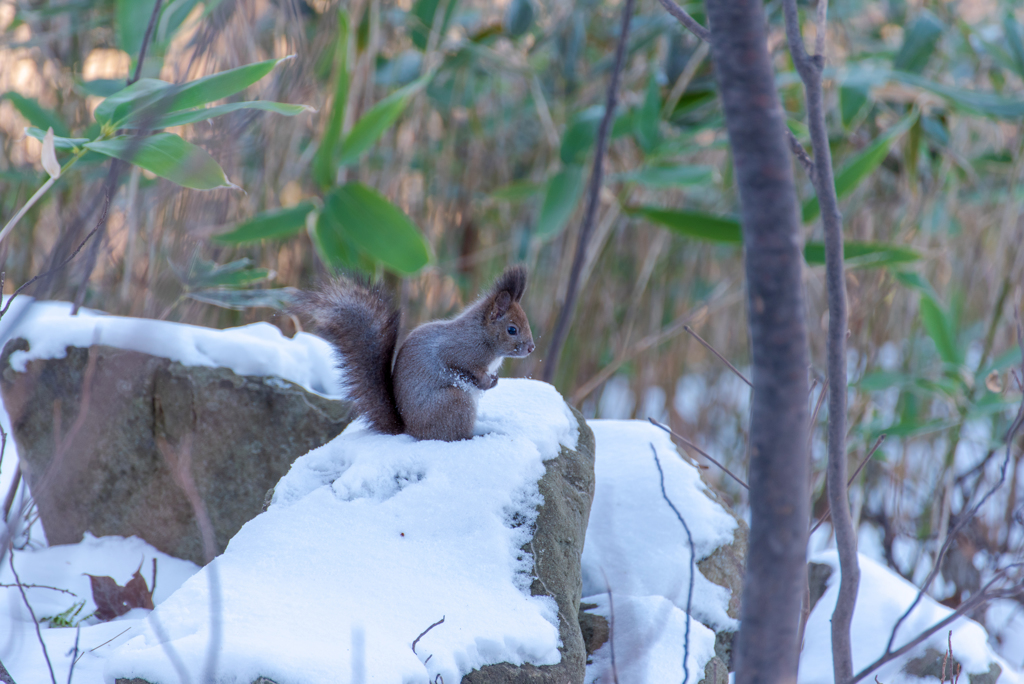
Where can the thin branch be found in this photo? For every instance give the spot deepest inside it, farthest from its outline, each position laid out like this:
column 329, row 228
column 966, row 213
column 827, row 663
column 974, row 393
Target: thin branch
column 967, row 606
column 40, row 586
column 700, row 451
column 686, row 20
column 828, row 511
column 800, row 153
column 145, row 42
column 693, row 563
column 964, row 518
column 39, row 634
column 424, row 633
column 611, row 626
column 715, row 352
column 74, row 653
column 593, row 199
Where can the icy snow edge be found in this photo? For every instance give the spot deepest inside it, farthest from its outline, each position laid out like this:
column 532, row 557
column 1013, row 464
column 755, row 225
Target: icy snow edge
column 50, row 329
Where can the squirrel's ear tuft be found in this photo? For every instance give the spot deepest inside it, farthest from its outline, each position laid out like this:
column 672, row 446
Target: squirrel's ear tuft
column 513, row 281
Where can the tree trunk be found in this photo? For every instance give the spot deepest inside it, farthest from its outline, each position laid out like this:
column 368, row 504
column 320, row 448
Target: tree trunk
column 767, row 648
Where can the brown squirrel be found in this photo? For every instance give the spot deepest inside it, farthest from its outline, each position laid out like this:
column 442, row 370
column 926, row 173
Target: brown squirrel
column 442, row 367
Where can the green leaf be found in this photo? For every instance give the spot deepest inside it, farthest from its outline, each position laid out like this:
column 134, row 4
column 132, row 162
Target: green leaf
column 199, row 92
column 862, row 166
column 277, row 298
column 377, row 227
column 939, row 327
column 517, row 190
column 168, row 156
column 694, row 224
column 423, row 17
column 270, row 225
column 59, row 143
column 645, row 120
column 580, row 135
column 669, row 176
column 972, row 101
column 916, row 281
column 323, row 161
column 1012, row 31
column 381, row 116
column 853, row 97
column 102, row 87
column 117, row 107
column 38, row 116
column 131, row 17
column 881, row 380
column 563, row 194
column 518, row 17
column 204, row 113
column 332, row 244
column 235, row 278
column 919, row 42
column 863, row 254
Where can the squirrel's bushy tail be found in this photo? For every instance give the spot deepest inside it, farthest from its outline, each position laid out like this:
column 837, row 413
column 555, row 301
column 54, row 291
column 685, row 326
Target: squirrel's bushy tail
column 361, row 323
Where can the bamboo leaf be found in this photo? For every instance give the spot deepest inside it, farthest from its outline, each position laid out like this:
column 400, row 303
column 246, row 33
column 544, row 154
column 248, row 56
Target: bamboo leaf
column 669, row 176
column 168, row 156
column 37, row 115
column 202, row 114
column 694, row 224
column 863, row 165
column 323, row 161
column 58, row 142
column 117, row 107
column 919, row 43
column 270, row 225
column 378, row 119
column 563, row 194
column 197, row 93
column 377, row 227
column 863, row 254
column 517, row 190
column 276, row 298
column 939, row 328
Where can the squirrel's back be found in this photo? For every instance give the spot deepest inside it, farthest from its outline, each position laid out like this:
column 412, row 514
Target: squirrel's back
column 361, row 322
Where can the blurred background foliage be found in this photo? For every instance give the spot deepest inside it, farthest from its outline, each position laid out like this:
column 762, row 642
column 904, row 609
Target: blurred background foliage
column 452, row 137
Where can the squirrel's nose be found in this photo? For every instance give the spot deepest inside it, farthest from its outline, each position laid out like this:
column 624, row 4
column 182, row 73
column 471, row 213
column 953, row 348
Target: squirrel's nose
column 530, row 347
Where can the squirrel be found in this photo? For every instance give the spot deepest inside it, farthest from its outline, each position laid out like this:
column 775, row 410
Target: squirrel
column 431, row 387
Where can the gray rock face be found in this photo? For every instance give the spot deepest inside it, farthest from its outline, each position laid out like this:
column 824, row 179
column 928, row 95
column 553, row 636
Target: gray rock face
column 557, row 545
column 117, row 442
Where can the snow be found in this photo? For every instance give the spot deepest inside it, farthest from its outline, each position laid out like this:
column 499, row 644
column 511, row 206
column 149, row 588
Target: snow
column 381, row 535
column 882, row 598
column 635, row 540
column 305, row 359
column 65, row 567
column 371, row 539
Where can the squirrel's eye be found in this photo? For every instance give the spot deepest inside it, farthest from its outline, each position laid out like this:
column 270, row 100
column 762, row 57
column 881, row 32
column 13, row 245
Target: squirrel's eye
column 512, row 330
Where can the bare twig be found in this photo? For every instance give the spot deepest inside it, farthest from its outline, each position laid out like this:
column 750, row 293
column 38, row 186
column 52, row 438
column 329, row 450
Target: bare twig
column 424, row 633
column 715, row 352
column 145, row 42
column 810, row 70
column 593, row 199
column 985, row 595
column 800, row 153
column 611, row 626
column 964, row 518
column 82, row 655
column 74, row 653
column 41, row 586
column 700, row 451
column 693, row 564
column 39, row 634
column 686, row 20
column 828, row 511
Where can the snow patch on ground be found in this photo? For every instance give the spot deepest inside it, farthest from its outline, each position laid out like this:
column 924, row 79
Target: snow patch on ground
column 882, row 598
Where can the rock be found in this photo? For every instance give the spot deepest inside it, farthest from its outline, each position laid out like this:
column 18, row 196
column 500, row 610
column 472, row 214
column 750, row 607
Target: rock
column 115, row 442
column 594, row 628
column 557, row 545
column 725, row 567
